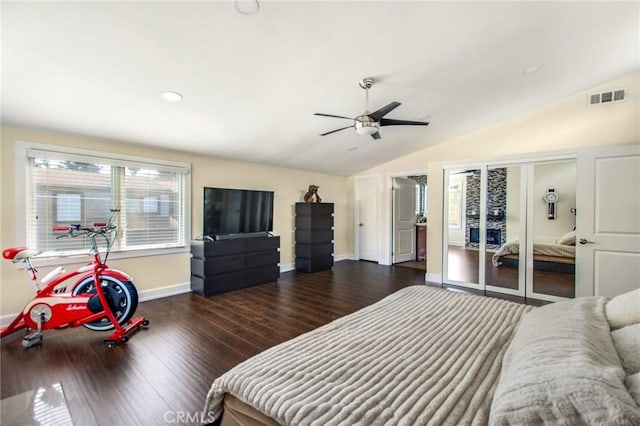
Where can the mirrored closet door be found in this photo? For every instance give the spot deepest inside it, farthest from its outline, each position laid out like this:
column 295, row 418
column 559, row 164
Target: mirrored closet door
column 552, row 241
column 463, row 191
column 505, row 233
column 506, row 210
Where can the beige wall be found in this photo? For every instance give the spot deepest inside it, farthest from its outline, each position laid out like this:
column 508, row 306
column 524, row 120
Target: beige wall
column 561, row 177
column 564, row 126
column 153, row 273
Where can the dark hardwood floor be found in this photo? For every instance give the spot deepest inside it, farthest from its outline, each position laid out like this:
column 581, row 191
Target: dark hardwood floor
column 167, row 369
column 464, row 266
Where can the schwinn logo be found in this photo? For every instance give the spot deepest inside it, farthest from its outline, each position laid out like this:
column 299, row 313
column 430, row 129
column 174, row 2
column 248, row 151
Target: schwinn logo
column 75, row 307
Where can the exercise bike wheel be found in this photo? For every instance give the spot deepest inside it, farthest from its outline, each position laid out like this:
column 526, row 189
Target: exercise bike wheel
column 121, row 296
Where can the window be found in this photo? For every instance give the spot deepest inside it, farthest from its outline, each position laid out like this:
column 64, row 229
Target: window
column 72, row 187
column 68, row 207
column 421, row 199
column 455, row 205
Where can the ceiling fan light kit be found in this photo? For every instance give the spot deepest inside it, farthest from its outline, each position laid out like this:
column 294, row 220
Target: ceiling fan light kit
column 365, row 125
column 369, row 123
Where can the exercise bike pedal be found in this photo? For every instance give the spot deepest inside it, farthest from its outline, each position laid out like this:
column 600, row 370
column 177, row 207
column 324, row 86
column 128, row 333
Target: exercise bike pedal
column 32, row 339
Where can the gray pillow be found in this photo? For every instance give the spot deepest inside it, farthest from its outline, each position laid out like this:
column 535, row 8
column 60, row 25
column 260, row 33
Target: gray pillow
column 627, row 342
column 562, row 368
column 632, row 383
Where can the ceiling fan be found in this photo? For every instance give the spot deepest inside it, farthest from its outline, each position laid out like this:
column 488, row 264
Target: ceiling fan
column 370, row 122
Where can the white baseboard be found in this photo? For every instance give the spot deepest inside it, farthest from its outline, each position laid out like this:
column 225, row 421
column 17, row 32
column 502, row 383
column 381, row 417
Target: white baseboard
column 5, row 320
column 341, row 257
column 286, row 267
column 433, row 278
column 160, row 292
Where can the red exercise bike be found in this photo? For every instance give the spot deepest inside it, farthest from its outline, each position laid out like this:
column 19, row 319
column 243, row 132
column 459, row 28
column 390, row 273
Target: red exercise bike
column 99, row 299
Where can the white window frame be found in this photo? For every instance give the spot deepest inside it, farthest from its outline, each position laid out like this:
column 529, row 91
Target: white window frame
column 461, row 204
column 22, row 189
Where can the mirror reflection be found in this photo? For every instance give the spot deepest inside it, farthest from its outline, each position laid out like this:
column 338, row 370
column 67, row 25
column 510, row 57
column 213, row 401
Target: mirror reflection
column 463, row 216
column 554, row 237
column 503, row 227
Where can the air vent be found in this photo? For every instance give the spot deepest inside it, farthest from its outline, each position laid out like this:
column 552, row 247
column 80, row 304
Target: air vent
column 608, row 97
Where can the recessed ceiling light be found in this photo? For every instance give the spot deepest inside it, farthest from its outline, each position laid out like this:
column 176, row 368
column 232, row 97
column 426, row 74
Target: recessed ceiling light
column 172, row 96
column 532, row 69
column 246, row 7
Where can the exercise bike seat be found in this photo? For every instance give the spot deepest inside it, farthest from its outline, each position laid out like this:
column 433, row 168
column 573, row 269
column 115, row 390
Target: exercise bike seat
column 19, row 253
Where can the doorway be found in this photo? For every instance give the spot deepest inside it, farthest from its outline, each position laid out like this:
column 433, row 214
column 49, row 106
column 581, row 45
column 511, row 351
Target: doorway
column 409, row 223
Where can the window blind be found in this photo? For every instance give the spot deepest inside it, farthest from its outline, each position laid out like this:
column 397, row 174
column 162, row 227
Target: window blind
column 81, row 189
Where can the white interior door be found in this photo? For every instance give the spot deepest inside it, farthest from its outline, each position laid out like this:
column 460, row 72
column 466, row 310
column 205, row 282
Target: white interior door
column 367, row 217
column 608, row 221
column 404, row 217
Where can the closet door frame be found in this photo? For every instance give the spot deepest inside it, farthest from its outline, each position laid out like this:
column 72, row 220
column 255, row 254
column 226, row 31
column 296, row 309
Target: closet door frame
column 532, row 203
column 445, row 231
column 527, row 205
column 522, row 260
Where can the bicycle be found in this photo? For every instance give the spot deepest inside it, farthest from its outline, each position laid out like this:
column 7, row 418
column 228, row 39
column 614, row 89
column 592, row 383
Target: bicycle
column 96, row 286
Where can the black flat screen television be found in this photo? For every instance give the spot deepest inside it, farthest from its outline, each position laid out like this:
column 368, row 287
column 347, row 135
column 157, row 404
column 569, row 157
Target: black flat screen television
column 236, row 211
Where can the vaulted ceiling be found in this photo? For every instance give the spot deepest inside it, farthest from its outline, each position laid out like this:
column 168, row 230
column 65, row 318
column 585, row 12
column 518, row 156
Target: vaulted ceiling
column 251, row 83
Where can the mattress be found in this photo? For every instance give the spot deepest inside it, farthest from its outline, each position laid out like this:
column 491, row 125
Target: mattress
column 539, row 249
column 421, row 355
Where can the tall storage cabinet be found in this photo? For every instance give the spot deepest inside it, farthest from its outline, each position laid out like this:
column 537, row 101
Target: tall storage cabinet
column 314, row 236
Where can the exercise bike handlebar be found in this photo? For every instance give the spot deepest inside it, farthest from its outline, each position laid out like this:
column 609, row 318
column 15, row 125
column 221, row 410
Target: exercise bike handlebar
column 76, row 230
column 98, row 228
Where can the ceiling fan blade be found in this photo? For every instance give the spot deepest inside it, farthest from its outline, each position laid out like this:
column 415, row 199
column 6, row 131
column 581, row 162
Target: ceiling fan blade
column 336, row 130
column 330, row 115
column 377, row 115
column 376, row 135
column 391, row 122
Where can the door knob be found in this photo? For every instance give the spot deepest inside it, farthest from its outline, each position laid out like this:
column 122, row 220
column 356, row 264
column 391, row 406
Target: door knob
column 361, row 224
column 584, row 241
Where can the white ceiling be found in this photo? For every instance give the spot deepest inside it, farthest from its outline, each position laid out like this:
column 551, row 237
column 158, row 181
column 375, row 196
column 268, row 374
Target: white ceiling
column 252, row 83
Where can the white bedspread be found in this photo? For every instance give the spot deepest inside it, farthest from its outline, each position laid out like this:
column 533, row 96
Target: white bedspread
column 421, row 355
column 547, row 249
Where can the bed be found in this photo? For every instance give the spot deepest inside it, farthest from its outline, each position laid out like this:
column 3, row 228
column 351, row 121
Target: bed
column 557, row 255
column 426, row 355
